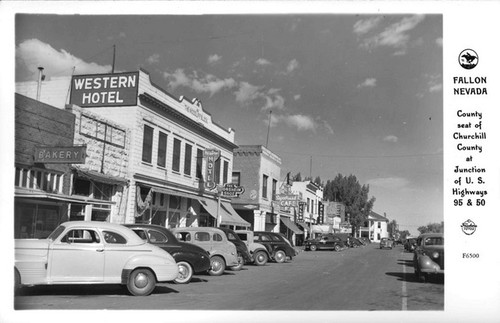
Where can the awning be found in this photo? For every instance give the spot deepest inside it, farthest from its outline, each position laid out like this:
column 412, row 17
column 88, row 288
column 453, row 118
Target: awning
column 304, row 225
column 236, row 218
column 169, row 191
column 35, row 194
column 288, row 223
column 211, row 207
column 99, row 177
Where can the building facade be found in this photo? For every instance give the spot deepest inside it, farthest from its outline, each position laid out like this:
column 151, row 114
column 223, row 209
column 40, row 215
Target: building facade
column 375, row 227
column 311, row 195
column 258, row 170
column 165, row 176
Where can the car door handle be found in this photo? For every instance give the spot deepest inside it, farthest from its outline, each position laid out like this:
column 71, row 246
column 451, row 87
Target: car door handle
column 99, row 250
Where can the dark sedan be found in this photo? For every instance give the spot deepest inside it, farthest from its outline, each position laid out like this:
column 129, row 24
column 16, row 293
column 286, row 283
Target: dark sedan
column 329, row 242
column 278, row 246
column 189, row 257
column 244, row 255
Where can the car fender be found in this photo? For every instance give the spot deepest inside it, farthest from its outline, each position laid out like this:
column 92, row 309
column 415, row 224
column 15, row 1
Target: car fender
column 256, row 247
column 425, row 262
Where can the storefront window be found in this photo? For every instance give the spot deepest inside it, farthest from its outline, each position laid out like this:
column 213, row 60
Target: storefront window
column 35, row 220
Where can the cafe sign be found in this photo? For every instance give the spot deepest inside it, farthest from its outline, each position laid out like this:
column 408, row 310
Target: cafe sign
column 105, row 90
column 211, row 156
column 60, row 155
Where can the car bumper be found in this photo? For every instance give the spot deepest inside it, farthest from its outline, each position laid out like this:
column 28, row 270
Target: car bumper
column 426, row 265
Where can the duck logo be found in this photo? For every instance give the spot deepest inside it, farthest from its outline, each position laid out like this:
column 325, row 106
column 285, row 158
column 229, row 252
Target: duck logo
column 468, row 59
column 469, row 227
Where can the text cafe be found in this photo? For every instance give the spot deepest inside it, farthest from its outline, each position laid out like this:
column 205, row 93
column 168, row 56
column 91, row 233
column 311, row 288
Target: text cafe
column 118, row 89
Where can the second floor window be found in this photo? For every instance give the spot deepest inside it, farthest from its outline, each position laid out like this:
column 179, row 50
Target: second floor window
column 199, row 162
column 275, row 184
column 217, row 171
column 225, row 172
column 147, row 144
column 176, row 157
column 236, row 178
column 264, row 186
column 162, row 150
column 187, row 159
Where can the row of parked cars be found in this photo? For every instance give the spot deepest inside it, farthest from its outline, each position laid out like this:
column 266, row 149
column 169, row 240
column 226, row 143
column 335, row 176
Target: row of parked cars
column 332, row 241
column 139, row 256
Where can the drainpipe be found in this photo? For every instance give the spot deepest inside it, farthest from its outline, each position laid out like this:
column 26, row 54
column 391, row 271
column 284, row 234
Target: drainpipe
column 39, row 87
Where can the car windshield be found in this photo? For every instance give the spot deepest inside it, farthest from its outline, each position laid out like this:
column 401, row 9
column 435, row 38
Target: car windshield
column 53, row 236
column 434, row 241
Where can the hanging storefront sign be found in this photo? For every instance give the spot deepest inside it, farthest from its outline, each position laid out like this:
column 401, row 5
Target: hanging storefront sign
column 232, row 190
column 211, row 156
column 60, row 155
column 105, row 90
column 287, row 201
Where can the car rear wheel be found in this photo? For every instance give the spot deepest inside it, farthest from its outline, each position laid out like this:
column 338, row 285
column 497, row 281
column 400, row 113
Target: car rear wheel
column 260, row 258
column 141, row 282
column 217, row 266
column 185, row 273
column 337, row 247
column 238, row 267
column 280, row 256
column 313, row 247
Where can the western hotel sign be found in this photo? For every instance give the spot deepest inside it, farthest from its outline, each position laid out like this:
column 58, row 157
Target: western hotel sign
column 105, row 90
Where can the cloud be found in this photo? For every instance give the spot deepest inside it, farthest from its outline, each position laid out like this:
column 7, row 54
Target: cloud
column 434, row 83
column 297, row 97
column 212, row 59
column 247, row 92
column 390, row 138
column 363, row 26
column 299, row 121
column 328, row 128
column 439, row 41
column 389, row 182
column 200, row 84
column 277, row 102
column 32, row 53
column 395, row 36
column 153, row 59
column 262, row 62
column 369, row 82
column 292, row 66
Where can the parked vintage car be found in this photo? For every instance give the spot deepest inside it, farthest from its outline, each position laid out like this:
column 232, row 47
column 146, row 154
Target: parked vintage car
column 222, row 252
column 83, row 252
column 428, row 257
column 325, row 242
column 259, row 253
column 244, row 255
column 190, row 258
column 409, row 244
column 276, row 244
column 386, row 243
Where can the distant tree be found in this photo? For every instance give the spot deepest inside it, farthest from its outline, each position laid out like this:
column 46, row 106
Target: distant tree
column 431, row 228
column 392, row 228
column 297, row 177
column 404, row 234
column 348, row 190
column 317, row 180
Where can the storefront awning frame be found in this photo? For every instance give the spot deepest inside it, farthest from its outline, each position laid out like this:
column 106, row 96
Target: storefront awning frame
column 290, row 225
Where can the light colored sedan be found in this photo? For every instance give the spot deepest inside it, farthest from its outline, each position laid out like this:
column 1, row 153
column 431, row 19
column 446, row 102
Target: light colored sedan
column 91, row 252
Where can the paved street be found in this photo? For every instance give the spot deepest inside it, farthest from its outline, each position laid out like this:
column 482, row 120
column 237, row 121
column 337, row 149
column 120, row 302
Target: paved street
column 354, row 279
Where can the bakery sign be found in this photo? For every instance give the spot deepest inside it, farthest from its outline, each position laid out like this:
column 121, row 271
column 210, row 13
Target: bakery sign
column 105, row 90
column 60, row 155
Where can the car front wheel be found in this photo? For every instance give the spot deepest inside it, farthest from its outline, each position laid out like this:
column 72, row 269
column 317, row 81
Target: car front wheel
column 141, row 282
column 185, row 273
column 313, row 247
column 217, row 266
column 280, row 256
column 337, row 247
column 260, row 258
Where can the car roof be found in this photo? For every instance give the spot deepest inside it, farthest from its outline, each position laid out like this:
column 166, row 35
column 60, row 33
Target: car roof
column 431, row 234
column 131, row 236
column 208, row 229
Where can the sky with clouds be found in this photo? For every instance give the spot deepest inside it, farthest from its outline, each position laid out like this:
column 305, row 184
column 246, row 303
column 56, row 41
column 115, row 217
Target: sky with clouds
column 348, row 94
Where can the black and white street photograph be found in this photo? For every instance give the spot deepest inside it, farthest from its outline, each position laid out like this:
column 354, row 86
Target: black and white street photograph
column 206, row 164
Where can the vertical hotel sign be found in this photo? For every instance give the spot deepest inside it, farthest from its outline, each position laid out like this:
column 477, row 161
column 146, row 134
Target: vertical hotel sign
column 211, row 156
column 105, row 90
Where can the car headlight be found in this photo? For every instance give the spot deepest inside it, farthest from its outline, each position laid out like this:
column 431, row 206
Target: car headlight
column 435, row 254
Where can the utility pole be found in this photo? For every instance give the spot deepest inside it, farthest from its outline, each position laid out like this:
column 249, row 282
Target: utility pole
column 113, row 65
column 268, row 127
